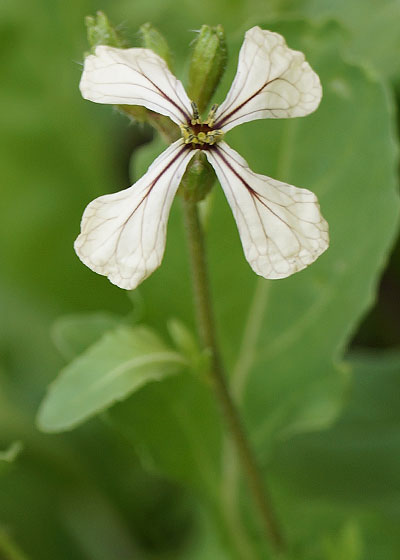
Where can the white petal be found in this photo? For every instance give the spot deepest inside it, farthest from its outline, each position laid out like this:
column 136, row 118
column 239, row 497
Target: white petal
column 272, row 81
column 280, row 226
column 123, row 234
column 134, row 77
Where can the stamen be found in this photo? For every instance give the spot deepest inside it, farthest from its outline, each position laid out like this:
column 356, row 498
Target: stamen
column 211, row 115
column 187, row 133
column 196, row 116
column 214, row 136
column 200, row 134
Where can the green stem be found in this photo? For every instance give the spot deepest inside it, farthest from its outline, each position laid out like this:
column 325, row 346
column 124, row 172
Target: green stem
column 206, row 327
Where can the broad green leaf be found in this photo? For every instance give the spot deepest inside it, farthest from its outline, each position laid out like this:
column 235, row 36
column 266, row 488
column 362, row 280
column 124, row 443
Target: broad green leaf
column 358, row 459
column 353, row 468
column 372, row 28
column 110, row 370
column 72, row 334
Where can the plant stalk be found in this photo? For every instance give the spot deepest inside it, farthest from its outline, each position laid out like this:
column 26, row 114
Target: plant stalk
column 207, row 333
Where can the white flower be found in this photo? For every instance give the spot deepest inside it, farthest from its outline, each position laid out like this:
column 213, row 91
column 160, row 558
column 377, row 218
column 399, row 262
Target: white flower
column 281, row 228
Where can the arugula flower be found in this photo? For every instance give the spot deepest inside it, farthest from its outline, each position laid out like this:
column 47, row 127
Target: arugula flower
column 282, row 231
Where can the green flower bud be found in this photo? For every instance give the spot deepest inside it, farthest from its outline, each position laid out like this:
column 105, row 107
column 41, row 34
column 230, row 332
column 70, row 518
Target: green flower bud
column 152, row 39
column 166, row 128
column 101, row 32
column 207, row 64
column 184, row 340
column 198, row 179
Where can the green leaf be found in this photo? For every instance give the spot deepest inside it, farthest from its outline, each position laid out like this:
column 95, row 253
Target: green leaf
column 73, row 334
column 357, row 461
column 374, row 40
column 352, row 470
column 111, row 369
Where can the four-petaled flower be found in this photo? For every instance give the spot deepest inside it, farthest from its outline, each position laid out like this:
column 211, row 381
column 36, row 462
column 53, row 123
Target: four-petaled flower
column 281, row 228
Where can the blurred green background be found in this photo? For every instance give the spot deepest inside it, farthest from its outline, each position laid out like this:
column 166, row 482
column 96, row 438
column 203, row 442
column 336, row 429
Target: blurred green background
column 325, row 420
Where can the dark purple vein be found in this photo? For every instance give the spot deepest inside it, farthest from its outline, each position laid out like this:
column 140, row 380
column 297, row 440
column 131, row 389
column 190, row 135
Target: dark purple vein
column 224, row 119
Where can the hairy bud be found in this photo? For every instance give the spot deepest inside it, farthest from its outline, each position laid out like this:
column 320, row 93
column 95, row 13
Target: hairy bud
column 207, row 64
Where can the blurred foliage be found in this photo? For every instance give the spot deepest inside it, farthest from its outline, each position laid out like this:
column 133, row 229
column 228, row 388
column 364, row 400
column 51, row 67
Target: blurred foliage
column 325, row 428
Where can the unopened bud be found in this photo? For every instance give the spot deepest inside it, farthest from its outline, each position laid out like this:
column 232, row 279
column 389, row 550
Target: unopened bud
column 101, row 32
column 152, row 39
column 198, row 179
column 207, row 64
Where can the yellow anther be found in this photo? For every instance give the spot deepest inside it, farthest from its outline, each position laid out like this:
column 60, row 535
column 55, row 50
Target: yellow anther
column 196, row 116
column 213, row 136
column 211, row 115
column 187, row 133
column 200, row 137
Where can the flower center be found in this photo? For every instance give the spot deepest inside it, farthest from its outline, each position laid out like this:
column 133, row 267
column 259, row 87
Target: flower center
column 201, row 134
